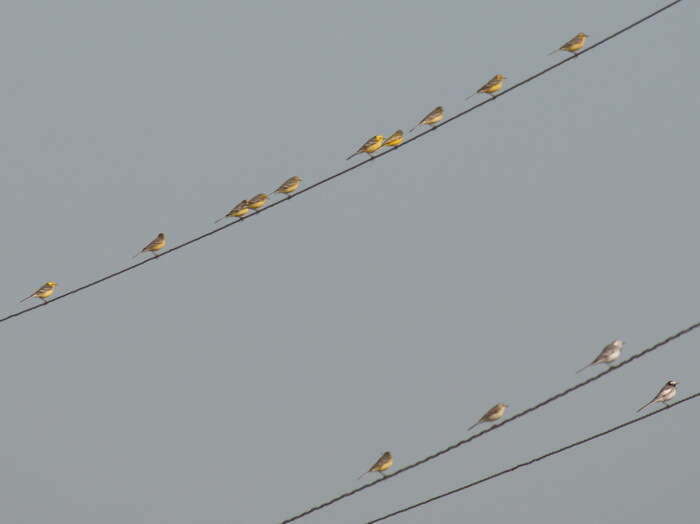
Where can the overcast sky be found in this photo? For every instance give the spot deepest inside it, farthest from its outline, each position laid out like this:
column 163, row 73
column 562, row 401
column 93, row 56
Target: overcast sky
column 259, row 372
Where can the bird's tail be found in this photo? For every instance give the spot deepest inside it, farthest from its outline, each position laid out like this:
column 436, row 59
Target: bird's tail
column 474, row 94
column 474, row 425
column 584, row 367
column 137, row 254
column 354, row 154
column 555, row 51
column 645, row 405
column 414, row 128
column 30, row 296
column 365, row 473
column 217, row 221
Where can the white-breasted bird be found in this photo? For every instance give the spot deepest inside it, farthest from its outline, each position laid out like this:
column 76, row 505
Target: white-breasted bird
column 610, row 353
column 665, row 394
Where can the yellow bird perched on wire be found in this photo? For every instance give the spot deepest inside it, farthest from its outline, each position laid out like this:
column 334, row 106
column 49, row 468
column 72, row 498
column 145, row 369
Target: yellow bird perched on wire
column 154, row 245
column 573, row 45
column 289, row 186
column 431, row 118
column 43, row 292
column 491, row 415
column 241, row 209
column 370, row 146
column 394, row 140
column 258, row 201
column 383, row 463
column 490, row 87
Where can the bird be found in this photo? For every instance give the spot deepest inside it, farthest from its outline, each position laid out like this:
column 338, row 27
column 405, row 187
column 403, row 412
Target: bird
column 491, row 415
column 394, row 140
column 490, row 87
column 431, row 118
column 43, row 292
column 154, row 245
column 257, row 201
column 610, row 353
column 573, row 45
column 383, row 463
column 241, row 209
column 289, row 186
column 370, row 146
column 665, row 394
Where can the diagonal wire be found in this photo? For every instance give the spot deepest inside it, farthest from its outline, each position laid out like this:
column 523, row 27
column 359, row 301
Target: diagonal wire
column 498, row 425
column 532, row 461
column 339, row 173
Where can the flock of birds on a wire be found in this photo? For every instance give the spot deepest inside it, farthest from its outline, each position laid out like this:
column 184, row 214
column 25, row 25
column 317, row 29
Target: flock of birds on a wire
column 608, row 355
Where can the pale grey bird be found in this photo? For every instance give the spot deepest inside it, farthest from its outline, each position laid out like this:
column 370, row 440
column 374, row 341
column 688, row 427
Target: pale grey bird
column 610, row 353
column 665, row 394
column 491, row 415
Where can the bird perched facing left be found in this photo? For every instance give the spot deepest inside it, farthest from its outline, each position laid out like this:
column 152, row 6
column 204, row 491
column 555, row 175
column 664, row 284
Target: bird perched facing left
column 573, row 45
column 610, row 353
column 665, row 394
column 490, row 87
column 491, row 415
column 383, row 463
column 370, row 146
column 431, row 118
column 43, row 292
column 154, row 245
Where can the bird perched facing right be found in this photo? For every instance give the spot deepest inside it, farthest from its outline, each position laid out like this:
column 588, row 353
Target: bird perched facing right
column 572, row 45
column 610, row 353
column 665, row 394
column 289, row 186
column 370, row 146
column 490, row 87
column 43, row 292
column 394, row 140
column 154, row 245
column 383, row 463
column 257, row 201
column 239, row 210
column 431, row 118
column 491, row 415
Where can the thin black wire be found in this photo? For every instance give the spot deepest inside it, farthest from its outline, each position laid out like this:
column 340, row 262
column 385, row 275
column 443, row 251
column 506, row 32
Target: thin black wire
column 340, row 173
column 497, row 425
column 532, row 461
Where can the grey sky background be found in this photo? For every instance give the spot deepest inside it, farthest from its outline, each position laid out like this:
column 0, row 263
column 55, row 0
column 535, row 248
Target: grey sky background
column 260, row 371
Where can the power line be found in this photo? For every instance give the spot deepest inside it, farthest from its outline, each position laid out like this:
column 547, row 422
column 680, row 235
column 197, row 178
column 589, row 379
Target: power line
column 497, row 425
column 532, row 461
column 339, row 173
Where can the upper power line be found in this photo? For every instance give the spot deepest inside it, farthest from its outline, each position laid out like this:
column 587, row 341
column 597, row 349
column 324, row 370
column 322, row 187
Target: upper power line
column 344, row 171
